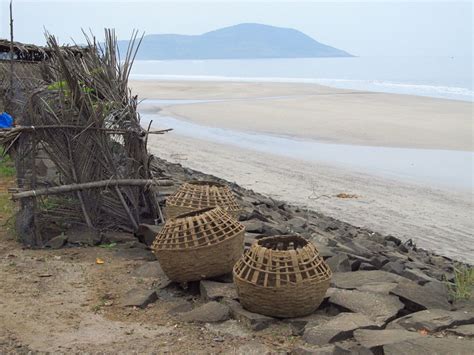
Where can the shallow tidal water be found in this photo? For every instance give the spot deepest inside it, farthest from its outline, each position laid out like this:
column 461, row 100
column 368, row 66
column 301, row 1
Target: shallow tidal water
column 432, row 167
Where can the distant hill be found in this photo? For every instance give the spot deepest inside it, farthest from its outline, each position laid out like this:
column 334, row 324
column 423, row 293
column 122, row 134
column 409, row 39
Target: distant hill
column 247, row 40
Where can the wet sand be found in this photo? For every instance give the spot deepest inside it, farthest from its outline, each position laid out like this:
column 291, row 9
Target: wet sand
column 326, row 114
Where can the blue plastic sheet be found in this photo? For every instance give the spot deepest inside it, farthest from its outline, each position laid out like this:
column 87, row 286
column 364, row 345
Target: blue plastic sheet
column 6, row 121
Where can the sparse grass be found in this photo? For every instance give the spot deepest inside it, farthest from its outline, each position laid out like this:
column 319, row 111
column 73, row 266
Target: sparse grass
column 7, row 211
column 50, row 203
column 7, row 207
column 108, row 246
column 7, row 168
column 105, row 300
column 462, row 286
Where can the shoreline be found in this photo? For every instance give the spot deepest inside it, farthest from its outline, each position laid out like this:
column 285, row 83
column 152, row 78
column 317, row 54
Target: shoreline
column 320, row 113
column 414, row 166
column 435, row 219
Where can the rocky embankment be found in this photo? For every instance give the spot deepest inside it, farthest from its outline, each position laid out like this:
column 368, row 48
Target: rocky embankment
column 387, row 296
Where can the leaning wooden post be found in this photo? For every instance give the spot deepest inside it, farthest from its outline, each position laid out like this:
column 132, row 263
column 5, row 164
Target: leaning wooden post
column 11, row 44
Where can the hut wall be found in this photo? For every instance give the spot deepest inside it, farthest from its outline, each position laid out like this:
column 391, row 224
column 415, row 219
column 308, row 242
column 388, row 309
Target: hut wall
column 27, row 76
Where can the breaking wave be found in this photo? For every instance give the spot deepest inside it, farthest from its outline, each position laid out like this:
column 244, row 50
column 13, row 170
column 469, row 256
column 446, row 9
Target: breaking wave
column 443, row 92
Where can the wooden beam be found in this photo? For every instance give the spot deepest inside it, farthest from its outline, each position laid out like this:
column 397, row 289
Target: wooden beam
column 89, row 185
column 81, row 128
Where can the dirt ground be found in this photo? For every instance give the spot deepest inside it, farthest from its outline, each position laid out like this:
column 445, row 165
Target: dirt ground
column 63, row 301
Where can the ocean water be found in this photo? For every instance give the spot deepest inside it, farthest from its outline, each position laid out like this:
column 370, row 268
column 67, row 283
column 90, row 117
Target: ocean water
column 440, row 77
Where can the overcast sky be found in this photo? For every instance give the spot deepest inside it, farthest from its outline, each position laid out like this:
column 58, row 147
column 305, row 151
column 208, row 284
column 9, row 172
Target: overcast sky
column 361, row 28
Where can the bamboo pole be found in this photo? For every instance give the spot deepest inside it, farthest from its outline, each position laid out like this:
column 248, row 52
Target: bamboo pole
column 11, row 44
column 107, row 130
column 125, row 206
column 89, row 185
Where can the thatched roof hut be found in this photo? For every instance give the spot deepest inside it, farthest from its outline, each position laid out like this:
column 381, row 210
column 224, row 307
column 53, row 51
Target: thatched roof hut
column 31, row 52
column 79, row 114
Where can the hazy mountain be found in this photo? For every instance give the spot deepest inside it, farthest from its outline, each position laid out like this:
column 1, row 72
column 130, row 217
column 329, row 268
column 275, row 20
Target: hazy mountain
column 247, row 40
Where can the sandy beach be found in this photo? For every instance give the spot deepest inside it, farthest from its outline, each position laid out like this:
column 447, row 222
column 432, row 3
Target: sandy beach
column 435, row 218
column 322, row 113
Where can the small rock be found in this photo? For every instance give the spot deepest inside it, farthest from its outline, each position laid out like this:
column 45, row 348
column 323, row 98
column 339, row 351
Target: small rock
column 438, row 288
column 378, row 261
column 230, row 327
column 297, row 224
column 226, row 278
column 377, row 306
column 181, row 308
column 273, row 229
column 417, row 275
column 135, row 254
column 324, row 251
column 418, row 297
column 339, row 263
column 211, row 290
column 250, row 239
column 84, row 236
column 256, row 214
column 349, row 348
column 366, row 267
column 373, row 338
column 378, row 287
column 395, row 267
column 150, row 269
column 207, row 313
column 466, row 331
column 253, row 321
column 253, row 226
column 339, row 328
column 394, row 240
column 146, row 233
column 57, row 242
column 298, row 324
column 323, row 350
column 117, row 237
column 138, row 298
column 331, row 226
column 432, row 320
column 253, row 348
column 430, row 345
column 355, row 279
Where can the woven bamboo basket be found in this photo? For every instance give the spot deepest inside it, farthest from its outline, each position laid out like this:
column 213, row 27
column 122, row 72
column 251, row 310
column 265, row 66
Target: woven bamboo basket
column 195, row 195
column 199, row 245
column 282, row 276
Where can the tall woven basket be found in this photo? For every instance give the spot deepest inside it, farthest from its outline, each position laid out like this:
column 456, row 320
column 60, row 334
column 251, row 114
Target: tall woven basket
column 282, row 276
column 199, row 244
column 195, row 195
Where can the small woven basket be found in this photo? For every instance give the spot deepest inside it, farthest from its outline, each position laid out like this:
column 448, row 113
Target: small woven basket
column 195, row 195
column 282, row 276
column 199, row 245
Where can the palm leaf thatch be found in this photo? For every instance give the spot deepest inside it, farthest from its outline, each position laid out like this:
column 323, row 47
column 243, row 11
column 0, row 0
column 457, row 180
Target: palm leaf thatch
column 84, row 117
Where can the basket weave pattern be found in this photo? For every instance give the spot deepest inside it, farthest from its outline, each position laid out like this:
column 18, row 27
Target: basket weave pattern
column 195, row 195
column 282, row 276
column 199, row 244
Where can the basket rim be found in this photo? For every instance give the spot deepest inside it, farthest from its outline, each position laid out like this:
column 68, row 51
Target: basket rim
column 198, row 212
column 206, row 182
column 193, row 249
column 283, row 237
